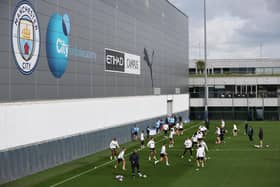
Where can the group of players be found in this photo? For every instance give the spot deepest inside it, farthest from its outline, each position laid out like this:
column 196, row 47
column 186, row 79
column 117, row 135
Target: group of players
column 196, row 142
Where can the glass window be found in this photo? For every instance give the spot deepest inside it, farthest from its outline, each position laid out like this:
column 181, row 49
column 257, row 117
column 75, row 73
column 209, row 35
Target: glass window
column 192, row 71
column 259, row 70
column 276, row 70
column 217, row 71
column 268, row 71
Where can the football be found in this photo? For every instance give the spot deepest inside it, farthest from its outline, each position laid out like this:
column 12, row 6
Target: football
column 144, row 176
column 119, row 178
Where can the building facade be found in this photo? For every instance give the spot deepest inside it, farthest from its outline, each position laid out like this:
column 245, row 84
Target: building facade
column 241, row 89
column 76, row 73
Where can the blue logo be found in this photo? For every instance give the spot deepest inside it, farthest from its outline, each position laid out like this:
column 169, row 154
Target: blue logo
column 57, row 44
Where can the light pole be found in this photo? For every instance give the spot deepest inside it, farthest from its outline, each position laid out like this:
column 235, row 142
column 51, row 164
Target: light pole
column 278, row 96
column 205, row 69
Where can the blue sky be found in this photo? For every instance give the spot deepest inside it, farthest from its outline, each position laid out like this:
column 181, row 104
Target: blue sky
column 236, row 28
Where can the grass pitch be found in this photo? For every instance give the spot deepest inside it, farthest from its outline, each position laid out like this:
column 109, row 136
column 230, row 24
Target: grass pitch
column 234, row 163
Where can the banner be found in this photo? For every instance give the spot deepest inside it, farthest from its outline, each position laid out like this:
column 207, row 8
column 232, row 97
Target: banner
column 117, row 61
column 153, row 132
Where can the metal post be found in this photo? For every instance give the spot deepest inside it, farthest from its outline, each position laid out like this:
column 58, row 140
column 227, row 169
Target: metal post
column 263, row 104
column 205, row 61
column 248, row 109
column 278, row 96
column 257, row 91
column 232, row 105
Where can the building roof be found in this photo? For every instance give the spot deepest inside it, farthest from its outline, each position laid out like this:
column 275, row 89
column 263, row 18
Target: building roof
column 239, row 63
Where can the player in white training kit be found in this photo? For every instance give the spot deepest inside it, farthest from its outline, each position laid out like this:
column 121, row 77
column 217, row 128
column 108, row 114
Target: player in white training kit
column 234, row 130
column 121, row 159
column 152, row 146
column 203, row 129
column 165, row 128
column 205, row 147
column 223, row 124
column 194, row 139
column 113, row 146
column 181, row 128
column 199, row 135
column 200, row 155
column 177, row 128
column 188, row 147
column 163, row 155
column 142, row 139
column 218, row 134
column 203, row 144
column 171, row 137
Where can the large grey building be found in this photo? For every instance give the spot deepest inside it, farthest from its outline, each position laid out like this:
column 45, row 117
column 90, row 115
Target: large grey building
column 75, row 73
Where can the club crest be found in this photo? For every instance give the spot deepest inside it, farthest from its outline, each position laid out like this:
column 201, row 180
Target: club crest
column 25, row 37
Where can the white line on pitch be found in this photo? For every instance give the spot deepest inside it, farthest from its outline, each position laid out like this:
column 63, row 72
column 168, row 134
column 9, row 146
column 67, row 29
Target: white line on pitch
column 104, row 164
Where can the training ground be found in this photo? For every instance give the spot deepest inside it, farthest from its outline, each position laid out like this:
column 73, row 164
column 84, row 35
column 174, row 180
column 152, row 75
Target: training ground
column 235, row 163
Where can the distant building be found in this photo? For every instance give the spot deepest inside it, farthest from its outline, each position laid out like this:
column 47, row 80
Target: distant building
column 241, row 89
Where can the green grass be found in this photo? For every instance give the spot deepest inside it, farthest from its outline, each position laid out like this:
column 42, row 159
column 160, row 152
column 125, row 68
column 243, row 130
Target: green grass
column 232, row 164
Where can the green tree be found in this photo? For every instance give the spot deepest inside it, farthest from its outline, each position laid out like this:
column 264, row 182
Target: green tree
column 200, row 66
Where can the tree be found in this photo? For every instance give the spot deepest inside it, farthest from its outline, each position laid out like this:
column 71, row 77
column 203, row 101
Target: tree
column 200, row 66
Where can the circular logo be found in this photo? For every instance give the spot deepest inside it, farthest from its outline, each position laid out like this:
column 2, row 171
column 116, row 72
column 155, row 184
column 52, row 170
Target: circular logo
column 57, row 43
column 25, row 37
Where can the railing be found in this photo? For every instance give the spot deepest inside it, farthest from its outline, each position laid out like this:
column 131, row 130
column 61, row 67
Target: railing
column 229, row 94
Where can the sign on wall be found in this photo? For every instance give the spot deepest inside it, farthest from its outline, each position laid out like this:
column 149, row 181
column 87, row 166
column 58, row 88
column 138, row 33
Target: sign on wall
column 57, row 43
column 25, row 37
column 117, row 61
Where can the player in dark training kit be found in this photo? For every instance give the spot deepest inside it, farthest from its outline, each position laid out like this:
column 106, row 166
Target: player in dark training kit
column 134, row 161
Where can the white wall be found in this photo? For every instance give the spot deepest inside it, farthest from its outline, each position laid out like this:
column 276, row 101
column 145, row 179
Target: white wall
column 31, row 122
column 180, row 102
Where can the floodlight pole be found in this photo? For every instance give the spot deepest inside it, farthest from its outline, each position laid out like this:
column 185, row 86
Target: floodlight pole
column 205, row 69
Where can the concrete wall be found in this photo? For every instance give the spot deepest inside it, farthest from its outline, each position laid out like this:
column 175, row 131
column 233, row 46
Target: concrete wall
column 29, row 122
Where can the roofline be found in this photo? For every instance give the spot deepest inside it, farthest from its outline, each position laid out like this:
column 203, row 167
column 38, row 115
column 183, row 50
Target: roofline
column 232, row 59
column 177, row 9
column 238, row 63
